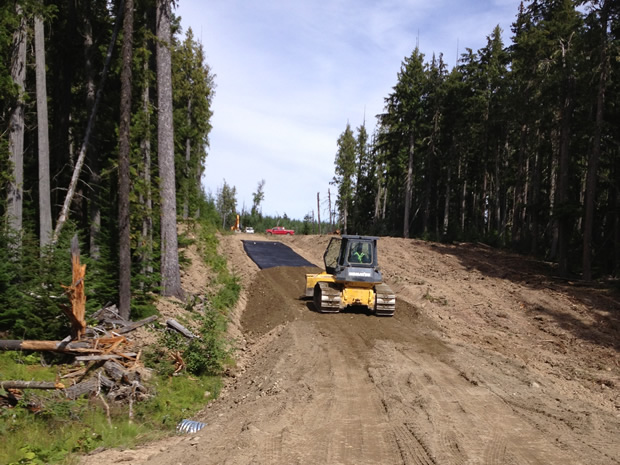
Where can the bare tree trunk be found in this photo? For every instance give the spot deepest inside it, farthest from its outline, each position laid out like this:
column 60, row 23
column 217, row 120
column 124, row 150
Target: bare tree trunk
column 563, row 179
column 93, row 159
column 170, row 273
column 536, row 194
column 318, row 210
column 124, row 252
column 497, row 194
column 519, row 192
column 146, row 198
column 446, row 205
column 463, row 193
column 188, row 155
column 595, row 154
column 378, row 201
column 45, row 207
column 329, row 206
column 385, row 199
column 408, row 187
column 15, row 187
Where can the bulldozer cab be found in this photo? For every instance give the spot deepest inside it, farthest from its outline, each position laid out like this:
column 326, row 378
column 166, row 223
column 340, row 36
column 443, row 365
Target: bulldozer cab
column 350, row 251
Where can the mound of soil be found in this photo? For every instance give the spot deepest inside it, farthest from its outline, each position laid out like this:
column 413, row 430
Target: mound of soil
column 488, row 359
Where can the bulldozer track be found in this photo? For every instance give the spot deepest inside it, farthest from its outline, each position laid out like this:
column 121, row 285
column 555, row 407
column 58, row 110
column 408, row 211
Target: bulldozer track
column 386, row 300
column 327, row 298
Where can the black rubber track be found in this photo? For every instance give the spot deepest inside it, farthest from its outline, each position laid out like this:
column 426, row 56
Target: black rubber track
column 271, row 254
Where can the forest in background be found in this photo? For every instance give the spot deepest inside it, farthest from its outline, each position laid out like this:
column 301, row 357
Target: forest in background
column 517, row 146
column 106, row 118
column 95, row 142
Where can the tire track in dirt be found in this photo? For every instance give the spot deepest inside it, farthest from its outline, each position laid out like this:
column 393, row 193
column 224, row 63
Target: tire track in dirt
column 439, row 383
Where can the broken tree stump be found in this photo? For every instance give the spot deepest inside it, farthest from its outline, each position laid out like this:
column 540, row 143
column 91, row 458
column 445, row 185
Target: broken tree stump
column 77, row 312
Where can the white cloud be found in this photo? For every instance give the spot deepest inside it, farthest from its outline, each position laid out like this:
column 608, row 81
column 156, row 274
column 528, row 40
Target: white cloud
column 291, row 74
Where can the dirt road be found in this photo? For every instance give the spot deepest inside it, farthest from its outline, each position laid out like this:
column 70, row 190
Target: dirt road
column 488, row 360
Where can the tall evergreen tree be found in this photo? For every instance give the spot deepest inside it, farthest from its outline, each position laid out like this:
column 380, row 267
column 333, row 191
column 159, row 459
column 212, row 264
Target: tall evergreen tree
column 402, row 123
column 170, row 273
column 344, row 177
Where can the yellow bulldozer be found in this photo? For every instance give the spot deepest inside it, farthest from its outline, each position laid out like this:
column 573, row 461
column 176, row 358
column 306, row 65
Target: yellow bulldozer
column 351, row 278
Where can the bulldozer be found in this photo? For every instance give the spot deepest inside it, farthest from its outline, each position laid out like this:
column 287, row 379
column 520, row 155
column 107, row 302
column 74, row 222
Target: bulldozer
column 351, row 278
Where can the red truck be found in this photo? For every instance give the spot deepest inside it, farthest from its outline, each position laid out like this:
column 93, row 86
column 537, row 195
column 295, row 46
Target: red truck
column 279, row 230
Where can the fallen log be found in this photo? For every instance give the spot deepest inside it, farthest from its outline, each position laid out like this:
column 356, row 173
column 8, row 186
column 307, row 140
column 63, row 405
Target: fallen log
column 174, row 324
column 109, row 311
column 89, row 387
column 118, row 372
column 136, row 324
column 31, row 385
column 99, row 358
column 48, row 346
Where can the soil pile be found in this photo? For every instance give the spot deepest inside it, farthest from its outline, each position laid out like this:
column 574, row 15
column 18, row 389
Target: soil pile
column 488, row 359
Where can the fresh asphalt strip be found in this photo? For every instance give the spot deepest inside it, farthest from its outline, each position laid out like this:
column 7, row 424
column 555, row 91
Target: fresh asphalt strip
column 271, row 254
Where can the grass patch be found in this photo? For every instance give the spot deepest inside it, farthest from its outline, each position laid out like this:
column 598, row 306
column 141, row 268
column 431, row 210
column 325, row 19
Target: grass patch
column 64, row 428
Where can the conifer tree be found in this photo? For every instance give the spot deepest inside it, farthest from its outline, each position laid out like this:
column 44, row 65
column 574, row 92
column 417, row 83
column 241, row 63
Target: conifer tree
column 344, row 175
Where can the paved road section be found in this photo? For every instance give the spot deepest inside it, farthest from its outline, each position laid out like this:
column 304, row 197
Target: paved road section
column 271, row 254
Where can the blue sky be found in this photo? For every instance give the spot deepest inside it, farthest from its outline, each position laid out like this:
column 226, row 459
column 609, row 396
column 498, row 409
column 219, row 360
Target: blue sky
column 290, row 74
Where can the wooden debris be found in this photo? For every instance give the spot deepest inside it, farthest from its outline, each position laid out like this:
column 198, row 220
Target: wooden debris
column 75, row 291
column 174, row 324
column 179, row 363
column 48, row 346
column 101, row 358
column 136, row 324
column 31, row 385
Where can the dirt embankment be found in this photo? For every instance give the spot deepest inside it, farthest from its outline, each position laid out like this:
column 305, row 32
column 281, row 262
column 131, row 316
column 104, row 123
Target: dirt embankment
column 488, row 360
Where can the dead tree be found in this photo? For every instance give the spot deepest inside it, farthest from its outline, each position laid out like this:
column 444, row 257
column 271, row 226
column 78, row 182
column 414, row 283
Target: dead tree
column 75, row 291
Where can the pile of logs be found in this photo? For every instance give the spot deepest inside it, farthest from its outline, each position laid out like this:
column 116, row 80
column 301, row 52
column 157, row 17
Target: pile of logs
column 105, row 366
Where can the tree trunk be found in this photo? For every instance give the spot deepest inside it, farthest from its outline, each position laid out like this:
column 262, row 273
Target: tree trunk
column 146, row 200
column 45, row 207
column 564, row 227
column 188, row 156
column 519, row 192
column 318, row 210
column 124, row 275
column 408, row 186
column 536, row 195
column 329, row 206
column 446, row 205
column 170, row 274
column 15, row 187
column 595, row 153
column 93, row 158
